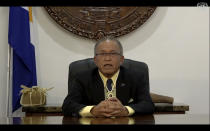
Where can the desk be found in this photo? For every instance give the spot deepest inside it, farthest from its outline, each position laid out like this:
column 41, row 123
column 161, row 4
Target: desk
column 155, row 119
column 55, row 110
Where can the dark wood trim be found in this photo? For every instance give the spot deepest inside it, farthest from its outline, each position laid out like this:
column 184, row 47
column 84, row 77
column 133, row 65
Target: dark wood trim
column 55, row 110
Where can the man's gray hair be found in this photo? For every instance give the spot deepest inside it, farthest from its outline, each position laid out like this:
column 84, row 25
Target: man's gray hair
column 111, row 39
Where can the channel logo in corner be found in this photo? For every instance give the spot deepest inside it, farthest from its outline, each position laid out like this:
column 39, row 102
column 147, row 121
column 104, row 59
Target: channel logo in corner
column 202, row 4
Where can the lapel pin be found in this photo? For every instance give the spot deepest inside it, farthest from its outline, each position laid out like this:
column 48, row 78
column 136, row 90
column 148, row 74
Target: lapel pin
column 122, row 84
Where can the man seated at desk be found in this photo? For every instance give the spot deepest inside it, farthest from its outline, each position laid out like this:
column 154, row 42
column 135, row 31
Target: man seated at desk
column 109, row 90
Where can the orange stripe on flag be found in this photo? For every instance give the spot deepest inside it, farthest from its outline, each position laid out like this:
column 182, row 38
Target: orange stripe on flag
column 30, row 14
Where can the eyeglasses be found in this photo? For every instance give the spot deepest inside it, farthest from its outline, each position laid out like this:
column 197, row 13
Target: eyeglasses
column 108, row 54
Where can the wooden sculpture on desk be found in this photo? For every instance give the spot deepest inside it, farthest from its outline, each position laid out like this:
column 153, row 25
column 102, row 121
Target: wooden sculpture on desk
column 156, row 98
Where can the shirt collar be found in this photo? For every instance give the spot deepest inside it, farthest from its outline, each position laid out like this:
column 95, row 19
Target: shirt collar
column 114, row 77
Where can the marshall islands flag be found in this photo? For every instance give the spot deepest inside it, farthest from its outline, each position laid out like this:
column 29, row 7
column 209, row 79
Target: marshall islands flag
column 20, row 38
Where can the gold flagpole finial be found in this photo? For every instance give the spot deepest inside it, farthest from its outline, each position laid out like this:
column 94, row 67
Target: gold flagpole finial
column 30, row 14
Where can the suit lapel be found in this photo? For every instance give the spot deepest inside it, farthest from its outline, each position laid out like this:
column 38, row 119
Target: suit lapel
column 98, row 88
column 122, row 88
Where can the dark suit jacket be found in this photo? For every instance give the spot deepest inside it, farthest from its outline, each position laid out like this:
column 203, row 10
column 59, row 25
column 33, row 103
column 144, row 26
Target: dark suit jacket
column 87, row 89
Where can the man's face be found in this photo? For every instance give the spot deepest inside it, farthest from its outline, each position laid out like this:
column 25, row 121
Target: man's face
column 108, row 58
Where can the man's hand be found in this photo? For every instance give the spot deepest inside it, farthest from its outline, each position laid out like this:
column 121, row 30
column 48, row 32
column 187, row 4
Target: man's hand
column 101, row 110
column 109, row 108
column 116, row 108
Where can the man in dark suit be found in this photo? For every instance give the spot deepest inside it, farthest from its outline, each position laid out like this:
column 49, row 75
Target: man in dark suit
column 109, row 89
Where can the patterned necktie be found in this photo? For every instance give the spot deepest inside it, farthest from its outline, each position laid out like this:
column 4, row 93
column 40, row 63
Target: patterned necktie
column 109, row 84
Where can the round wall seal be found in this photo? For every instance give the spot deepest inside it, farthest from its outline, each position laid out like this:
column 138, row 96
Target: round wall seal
column 97, row 22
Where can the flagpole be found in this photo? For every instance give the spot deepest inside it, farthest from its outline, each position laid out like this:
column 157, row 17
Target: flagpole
column 9, row 82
